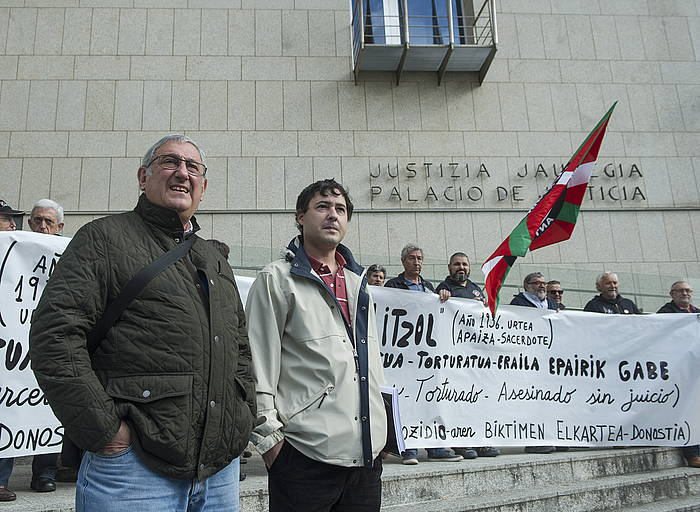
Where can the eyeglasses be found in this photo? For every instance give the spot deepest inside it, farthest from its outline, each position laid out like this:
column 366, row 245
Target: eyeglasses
column 538, row 283
column 39, row 220
column 558, row 292
column 173, row 162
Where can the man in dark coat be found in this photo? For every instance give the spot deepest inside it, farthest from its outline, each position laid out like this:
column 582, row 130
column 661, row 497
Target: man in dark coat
column 681, row 295
column 610, row 301
column 410, row 279
column 164, row 405
column 535, row 296
column 556, row 293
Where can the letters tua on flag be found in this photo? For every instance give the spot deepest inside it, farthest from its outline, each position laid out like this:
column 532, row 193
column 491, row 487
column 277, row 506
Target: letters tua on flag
column 552, row 218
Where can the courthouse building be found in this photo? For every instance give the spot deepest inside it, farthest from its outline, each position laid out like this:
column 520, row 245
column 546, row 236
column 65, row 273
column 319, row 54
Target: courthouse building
column 445, row 119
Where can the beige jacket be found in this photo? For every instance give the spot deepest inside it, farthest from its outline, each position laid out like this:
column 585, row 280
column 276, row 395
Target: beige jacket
column 305, row 370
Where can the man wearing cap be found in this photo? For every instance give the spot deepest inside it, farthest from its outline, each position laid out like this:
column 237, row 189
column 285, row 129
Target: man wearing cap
column 7, row 223
column 7, row 216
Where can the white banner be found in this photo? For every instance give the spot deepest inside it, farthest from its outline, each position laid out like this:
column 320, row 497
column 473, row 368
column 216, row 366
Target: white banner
column 27, row 424
column 525, row 377
column 538, row 377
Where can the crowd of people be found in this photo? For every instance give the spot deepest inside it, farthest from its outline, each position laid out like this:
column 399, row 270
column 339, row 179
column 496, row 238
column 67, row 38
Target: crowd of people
column 538, row 293
column 160, row 379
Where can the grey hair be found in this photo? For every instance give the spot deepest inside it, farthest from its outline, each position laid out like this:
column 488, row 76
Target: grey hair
column 48, row 203
column 530, row 276
column 602, row 276
column 174, row 136
column 376, row 268
column 409, row 248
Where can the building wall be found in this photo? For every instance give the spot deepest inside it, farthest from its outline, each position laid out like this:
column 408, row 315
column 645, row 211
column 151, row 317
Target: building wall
column 266, row 87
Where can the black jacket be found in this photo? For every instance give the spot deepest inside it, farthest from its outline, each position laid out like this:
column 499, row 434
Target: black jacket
column 618, row 306
column 400, row 282
column 521, row 300
column 670, row 307
column 176, row 365
column 470, row 291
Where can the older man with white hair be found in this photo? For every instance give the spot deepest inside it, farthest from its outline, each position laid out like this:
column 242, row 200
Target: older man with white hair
column 46, row 217
column 610, row 301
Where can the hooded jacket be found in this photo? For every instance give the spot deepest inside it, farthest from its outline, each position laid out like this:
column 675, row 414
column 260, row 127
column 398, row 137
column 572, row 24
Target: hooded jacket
column 175, row 366
column 618, row 306
column 313, row 387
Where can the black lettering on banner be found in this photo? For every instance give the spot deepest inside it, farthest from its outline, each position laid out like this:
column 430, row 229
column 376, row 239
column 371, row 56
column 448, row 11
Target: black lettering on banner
column 29, row 438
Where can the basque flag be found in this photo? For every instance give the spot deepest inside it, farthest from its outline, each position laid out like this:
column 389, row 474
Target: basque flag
column 552, row 218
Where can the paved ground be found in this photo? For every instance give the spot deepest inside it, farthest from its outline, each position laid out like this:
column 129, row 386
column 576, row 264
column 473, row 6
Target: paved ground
column 63, row 498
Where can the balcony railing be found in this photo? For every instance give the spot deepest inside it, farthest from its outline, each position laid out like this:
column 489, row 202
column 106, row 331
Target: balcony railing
column 423, row 35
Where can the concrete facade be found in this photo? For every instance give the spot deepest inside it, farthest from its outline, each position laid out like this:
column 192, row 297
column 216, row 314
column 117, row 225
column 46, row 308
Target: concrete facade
column 266, row 87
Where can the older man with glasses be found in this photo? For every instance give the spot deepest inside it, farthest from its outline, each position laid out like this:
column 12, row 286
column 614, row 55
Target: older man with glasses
column 46, row 217
column 534, row 295
column 163, row 400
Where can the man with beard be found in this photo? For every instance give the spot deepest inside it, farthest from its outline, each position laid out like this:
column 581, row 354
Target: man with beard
column 535, row 296
column 681, row 295
column 459, row 285
column 535, row 293
column 610, row 301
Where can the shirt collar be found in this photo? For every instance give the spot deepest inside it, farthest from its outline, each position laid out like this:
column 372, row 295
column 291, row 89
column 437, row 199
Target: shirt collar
column 318, row 266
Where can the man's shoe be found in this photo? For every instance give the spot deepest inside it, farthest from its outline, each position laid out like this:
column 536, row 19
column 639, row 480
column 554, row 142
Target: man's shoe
column 409, row 460
column 6, row 494
column 488, row 451
column 443, row 455
column 43, row 485
column 562, row 448
column 466, row 453
column 539, row 449
column 694, row 462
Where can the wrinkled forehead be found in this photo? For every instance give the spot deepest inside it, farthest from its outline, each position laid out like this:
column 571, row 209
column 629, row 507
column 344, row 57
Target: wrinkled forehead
column 681, row 286
column 183, row 149
column 44, row 212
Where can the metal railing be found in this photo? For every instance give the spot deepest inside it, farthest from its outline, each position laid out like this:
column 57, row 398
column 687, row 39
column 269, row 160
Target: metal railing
column 401, row 27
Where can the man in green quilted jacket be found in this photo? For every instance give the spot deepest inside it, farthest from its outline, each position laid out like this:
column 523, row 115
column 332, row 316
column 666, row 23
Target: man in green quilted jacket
column 164, row 405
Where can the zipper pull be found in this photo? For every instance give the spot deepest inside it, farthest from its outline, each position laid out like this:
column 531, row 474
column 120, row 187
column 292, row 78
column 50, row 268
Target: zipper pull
column 325, row 394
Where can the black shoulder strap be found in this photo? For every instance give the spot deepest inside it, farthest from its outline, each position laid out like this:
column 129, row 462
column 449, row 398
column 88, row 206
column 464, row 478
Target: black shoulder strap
column 131, row 290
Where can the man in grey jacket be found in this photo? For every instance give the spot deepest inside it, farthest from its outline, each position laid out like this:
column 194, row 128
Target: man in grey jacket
column 317, row 366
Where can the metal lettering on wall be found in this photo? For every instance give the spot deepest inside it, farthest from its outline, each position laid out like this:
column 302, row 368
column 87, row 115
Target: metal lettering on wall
column 449, row 183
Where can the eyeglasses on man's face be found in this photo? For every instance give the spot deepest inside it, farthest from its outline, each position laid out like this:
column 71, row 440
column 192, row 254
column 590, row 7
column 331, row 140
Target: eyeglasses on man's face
column 173, row 162
column 557, row 292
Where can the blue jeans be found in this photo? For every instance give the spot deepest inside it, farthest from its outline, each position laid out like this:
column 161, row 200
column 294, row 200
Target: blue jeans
column 114, row 483
column 6, row 470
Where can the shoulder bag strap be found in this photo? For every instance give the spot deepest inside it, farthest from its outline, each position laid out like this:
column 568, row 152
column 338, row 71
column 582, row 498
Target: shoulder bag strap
column 131, row 291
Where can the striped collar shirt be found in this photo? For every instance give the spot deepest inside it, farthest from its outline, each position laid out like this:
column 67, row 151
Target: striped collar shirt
column 336, row 282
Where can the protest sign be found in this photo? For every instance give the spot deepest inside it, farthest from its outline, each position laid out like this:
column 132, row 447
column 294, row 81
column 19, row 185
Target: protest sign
column 537, row 377
column 27, row 424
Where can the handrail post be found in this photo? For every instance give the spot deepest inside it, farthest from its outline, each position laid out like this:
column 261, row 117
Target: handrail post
column 450, row 23
column 492, row 9
column 405, row 23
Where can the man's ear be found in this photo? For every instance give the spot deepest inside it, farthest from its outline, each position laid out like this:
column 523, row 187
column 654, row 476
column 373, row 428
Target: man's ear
column 141, row 175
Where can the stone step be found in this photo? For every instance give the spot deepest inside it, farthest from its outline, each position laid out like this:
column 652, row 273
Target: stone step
column 514, row 471
column 638, row 491
column 687, row 504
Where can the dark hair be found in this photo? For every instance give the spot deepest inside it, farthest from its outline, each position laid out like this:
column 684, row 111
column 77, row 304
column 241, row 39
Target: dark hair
column 325, row 188
column 553, row 281
column 458, row 255
column 376, row 268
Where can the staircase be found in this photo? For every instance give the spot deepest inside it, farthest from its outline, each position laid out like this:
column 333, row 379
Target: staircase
column 629, row 480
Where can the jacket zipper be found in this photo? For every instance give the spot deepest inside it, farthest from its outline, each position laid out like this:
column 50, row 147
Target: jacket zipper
column 325, row 394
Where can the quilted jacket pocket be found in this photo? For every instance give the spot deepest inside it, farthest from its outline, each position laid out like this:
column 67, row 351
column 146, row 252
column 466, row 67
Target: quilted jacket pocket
column 160, row 406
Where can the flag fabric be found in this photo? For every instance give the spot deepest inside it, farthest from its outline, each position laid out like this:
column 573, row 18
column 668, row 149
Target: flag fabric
column 552, row 218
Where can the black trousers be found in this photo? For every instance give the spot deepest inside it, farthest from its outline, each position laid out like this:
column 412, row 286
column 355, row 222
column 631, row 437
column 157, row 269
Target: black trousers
column 297, row 483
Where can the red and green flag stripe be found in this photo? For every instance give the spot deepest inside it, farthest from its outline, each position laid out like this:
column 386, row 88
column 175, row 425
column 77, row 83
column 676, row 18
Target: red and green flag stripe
column 552, row 218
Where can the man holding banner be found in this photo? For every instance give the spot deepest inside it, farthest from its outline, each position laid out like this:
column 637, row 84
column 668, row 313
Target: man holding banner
column 161, row 399
column 7, row 223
